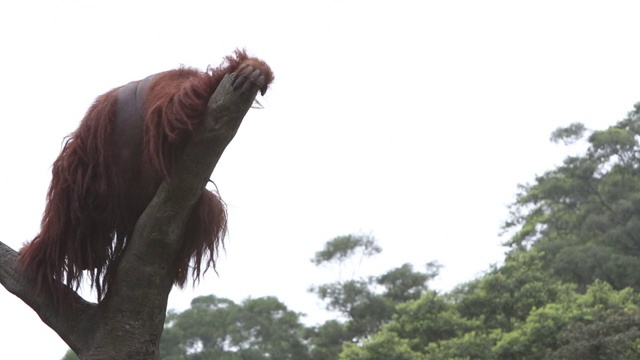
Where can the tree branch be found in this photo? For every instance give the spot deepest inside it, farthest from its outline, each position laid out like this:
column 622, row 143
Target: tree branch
column 134, row 308
column 73, row 322
column 159, row 230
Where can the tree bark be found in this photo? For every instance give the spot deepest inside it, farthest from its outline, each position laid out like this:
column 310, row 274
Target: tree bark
column 128, row 322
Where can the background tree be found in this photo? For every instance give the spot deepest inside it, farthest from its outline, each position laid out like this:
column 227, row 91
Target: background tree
column 506, row 295
column 600, row 324
column 325, row 341
column 365, row 303
column 568, row 286
column 217, row 328
column 583, row 215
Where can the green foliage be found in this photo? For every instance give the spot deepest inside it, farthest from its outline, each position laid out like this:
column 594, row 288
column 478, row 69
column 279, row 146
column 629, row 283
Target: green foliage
column 325, row 341
column 468, row 346
column 567, row 288
column 569, row 134
column 384, row 345
column 217, row 328
column 469, row 322
column 341, row 248
column 404, row 284
column 264, row 328
column 584, row 215
column 601, row 324
column 366, row 304
column 608, row 335
column 367, row 309
column 507, row 294
column 430, row 319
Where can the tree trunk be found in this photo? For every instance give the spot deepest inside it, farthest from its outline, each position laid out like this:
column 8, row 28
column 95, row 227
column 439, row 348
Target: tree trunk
column 128, row 322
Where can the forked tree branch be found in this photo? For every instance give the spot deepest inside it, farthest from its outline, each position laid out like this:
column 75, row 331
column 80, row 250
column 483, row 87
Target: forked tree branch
column 133, row 311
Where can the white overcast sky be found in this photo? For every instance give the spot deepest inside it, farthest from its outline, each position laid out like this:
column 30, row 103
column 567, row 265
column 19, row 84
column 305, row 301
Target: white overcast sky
column 412, row 121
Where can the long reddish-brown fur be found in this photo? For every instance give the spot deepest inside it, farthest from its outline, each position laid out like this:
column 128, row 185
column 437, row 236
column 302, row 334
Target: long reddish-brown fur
column 111, row 167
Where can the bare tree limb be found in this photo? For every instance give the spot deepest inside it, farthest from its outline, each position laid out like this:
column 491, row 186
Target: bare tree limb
column 72, row 322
